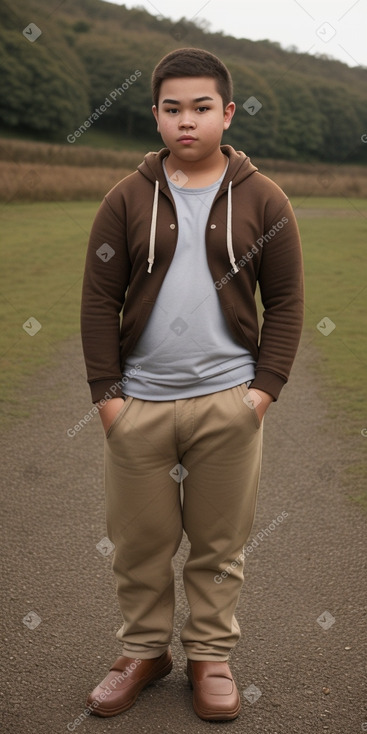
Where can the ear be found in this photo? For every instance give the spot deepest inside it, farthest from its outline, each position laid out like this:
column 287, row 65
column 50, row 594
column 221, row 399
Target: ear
column 228, row 114
column 155, row 113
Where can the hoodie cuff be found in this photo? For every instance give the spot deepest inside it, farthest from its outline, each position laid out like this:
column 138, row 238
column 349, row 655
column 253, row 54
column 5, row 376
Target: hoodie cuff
column 268, row 382
column 106, row 389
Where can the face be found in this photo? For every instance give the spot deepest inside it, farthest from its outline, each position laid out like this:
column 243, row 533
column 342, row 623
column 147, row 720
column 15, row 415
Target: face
column 190, row 117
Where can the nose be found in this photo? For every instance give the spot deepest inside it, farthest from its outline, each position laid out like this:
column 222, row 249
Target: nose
column 186, row 122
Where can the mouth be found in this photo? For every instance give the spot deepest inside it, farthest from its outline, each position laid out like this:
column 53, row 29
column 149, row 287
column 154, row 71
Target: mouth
column 186, row 139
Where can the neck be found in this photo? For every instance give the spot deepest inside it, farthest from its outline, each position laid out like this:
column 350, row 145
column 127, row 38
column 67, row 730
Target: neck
column 199, row 173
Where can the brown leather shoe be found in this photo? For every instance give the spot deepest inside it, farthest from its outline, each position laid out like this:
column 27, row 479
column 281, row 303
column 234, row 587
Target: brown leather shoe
column 128, row 676
column 216, row 697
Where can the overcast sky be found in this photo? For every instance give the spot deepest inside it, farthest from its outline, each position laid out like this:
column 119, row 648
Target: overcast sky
column 333, row 27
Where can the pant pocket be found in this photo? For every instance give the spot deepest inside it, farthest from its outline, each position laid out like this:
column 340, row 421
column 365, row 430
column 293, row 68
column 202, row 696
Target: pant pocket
column 117, row 419
column 249, row 403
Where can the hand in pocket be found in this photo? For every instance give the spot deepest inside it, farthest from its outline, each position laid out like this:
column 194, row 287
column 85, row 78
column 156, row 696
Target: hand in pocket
column 109, row 410
column 260, row 401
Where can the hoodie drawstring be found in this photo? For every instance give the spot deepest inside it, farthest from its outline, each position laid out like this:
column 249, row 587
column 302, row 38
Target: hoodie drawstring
column 231, row 256
column 153, row 229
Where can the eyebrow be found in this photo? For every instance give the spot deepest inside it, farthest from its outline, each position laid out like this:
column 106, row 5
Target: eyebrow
column 198, row 99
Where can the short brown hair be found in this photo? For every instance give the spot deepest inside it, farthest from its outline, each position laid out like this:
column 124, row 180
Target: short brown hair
column 193, row 62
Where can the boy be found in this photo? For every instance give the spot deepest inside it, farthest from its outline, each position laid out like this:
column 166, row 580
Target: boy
column 183, row 384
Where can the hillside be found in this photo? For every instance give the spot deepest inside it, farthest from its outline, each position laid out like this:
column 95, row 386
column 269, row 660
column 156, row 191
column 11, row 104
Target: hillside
column 88, row 63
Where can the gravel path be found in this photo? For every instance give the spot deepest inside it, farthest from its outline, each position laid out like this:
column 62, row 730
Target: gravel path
column 295, row 673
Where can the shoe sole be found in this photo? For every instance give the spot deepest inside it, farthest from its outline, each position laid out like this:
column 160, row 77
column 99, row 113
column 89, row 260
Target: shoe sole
column 105, row 713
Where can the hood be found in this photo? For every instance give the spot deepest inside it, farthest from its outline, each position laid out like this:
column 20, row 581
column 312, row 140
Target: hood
column 239, row 168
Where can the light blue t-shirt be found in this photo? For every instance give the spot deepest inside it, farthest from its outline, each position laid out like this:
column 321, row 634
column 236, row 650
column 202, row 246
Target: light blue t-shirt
column 186, row 348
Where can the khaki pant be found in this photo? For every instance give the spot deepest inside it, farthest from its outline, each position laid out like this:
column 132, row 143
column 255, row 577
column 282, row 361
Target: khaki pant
column 213, row 442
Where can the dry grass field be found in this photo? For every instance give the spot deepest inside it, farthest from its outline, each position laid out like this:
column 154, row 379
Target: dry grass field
column 46, row 172
column 43, row 182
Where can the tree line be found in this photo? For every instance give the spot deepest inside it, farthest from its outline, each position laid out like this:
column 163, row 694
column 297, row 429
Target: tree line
column 289, row 105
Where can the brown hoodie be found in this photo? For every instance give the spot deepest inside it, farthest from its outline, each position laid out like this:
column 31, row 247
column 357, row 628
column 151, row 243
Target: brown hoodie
column 251, row 236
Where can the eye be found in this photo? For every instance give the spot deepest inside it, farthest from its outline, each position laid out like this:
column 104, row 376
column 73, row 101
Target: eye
column 172, row 110
column 203, row 109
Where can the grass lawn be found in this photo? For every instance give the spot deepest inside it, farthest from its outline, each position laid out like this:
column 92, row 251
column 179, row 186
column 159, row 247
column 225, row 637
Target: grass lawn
column 41, row 278
column 335, row 275
column 334, row 247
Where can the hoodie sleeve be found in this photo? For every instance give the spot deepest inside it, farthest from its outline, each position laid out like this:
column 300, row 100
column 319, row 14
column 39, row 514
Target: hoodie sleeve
column 106, row 278
column 282, row 294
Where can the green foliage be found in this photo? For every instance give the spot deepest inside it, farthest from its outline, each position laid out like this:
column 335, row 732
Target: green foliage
column 299, row 131
column 253, row 133
column 110, row 63
column 342, row 123
column 313, row 108
column 37, row 90
column 81, row 26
